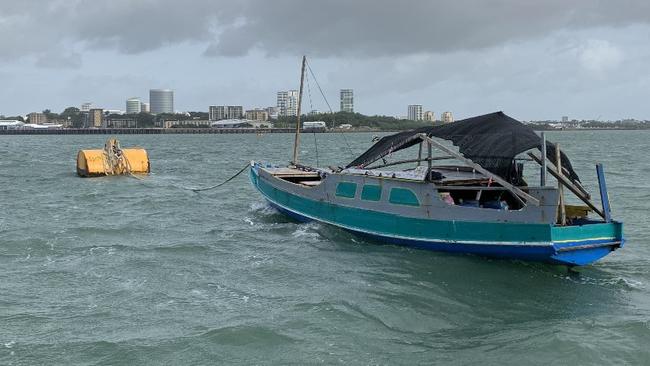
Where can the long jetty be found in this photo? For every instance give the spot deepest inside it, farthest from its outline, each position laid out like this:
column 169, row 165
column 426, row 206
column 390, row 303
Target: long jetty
column 147, row 131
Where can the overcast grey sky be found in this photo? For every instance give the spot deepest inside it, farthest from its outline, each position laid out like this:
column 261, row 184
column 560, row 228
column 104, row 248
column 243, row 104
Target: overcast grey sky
column 531, row 59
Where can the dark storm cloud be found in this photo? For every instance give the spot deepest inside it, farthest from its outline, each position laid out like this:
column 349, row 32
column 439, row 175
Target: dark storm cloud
column 360, row 28
column 42, row 28
column 389, row 27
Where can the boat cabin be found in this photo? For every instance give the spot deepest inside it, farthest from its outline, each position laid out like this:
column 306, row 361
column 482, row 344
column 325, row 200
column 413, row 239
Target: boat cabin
column 466, row 182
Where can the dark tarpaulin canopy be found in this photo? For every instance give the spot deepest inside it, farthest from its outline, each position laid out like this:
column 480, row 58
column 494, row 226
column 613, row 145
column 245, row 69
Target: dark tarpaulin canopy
column 491, row 140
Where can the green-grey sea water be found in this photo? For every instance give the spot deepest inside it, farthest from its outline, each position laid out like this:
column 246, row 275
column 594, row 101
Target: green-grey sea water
column 118, row 271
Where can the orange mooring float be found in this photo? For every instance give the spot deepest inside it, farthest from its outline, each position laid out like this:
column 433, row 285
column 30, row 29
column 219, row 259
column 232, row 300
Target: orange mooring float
column 112, row 160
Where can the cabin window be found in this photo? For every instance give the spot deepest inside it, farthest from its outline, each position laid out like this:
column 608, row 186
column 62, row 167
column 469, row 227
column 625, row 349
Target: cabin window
column 403, row 196
column 346, row 189
column 371, row 192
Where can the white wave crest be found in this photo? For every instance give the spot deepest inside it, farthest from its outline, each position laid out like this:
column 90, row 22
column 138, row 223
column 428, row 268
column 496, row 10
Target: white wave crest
column 307, row 231
column 262, row 207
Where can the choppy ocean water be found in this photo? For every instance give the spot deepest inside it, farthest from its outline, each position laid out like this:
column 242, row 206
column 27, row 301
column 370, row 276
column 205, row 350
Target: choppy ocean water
column 109, row 271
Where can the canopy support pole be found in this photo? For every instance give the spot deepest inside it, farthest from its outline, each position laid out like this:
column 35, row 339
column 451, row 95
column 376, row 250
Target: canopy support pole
column 409, row 161
column 419, row 154
column 567, row 183
column 542, row 177
column 560, row 187
column 429, row 162
column 517, row 193
column 604, row 197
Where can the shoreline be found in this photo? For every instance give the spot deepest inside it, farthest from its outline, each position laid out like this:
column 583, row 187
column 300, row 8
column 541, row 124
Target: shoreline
column 219, row 131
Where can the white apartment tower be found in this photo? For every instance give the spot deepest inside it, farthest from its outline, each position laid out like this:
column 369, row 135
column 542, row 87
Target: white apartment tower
column 133, row 106
column 347, row 100
column 282, row 103
column 446, row 117
column 219, row 112
column 415, row 112
column 216, row 113
column 287, row 103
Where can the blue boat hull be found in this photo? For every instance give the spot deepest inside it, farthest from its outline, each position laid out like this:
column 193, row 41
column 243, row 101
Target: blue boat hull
column 559, row 249
column 548, row 254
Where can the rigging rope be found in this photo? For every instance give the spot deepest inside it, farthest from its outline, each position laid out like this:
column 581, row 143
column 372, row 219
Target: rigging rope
column 311, row 108
column 319, row 88
column 330, row 108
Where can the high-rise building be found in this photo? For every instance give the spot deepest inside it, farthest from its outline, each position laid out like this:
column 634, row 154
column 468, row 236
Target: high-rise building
column 565, row 119
column 216, row 113
column 429, row 116
column 287, row 103
column 144, row 108
column 272, row 112
column 161, row 101
column 219, row 112
column 257, row 114
column 235, row 111
column 292, row 103
column 446, row 117
column 85, row 107
column 133, row 106
column 347, row 100
column 283, row 96
column 96, row 117
column 37, row 118
column 415, row 112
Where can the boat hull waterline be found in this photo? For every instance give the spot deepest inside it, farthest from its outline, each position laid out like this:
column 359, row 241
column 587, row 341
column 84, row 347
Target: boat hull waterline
column 566, row 245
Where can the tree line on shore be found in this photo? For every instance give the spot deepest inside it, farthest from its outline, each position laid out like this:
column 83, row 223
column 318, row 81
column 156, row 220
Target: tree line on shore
column 356, row 120
column 332, row 120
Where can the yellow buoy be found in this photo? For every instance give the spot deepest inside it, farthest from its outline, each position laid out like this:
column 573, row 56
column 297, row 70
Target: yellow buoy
column 113, row 160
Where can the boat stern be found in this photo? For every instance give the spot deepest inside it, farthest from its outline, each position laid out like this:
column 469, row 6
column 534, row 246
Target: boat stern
column 578, row 245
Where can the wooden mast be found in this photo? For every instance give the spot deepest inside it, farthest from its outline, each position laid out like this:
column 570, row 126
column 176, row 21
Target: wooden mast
column 296, row 141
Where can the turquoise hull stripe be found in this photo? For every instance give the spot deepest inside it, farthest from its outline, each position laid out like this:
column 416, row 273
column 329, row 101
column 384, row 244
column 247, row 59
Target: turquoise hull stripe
column 592, row 231
column 540, row 253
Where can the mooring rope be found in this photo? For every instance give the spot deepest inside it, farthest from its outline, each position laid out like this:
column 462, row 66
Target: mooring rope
column 222, row 183
column 128, row 168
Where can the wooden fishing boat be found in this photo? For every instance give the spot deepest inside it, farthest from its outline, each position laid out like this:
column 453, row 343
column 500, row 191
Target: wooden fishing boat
column 480, row 205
